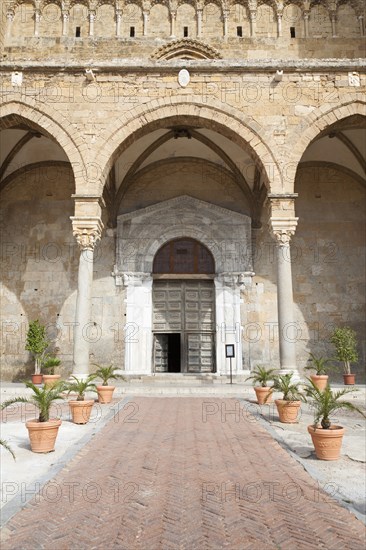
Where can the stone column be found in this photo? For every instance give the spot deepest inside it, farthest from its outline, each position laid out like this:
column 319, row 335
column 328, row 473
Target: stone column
column 173, row 16
column 279, row 24
column 87, row 231
column 225, row 16
column 91, row 23
column 65, row 22
column 283, row 226
column 145, row 15
column 333, row 19
column 306, row 23
column 199, row 22
column 118, row 22
column 253, row 20
column 9, row 21
column 37, row 19
column 360, row 22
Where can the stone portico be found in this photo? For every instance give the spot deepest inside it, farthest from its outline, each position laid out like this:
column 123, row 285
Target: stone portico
column 222, row 130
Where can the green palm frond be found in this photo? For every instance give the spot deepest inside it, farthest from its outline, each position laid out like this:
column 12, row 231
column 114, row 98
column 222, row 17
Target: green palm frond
column 261, row 375
column 81, row 386
column 107, row 373
column 319, row 364
column 7, row 447
column 42, row 398
column 326, row 402
column 285, row 384
column 50, row 363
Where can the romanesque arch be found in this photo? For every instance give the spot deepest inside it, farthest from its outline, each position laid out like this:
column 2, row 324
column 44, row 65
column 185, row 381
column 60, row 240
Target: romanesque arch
column 315, row 123
column 245, row 132
column 53, row 124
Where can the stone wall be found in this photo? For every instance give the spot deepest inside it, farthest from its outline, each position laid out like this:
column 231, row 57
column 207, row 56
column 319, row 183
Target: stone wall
column 39, row 258
column 132, row 30
column 199, row 179
column 235, row 94
column 328, row 271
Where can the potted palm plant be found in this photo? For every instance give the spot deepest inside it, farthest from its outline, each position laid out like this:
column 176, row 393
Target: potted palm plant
column 345, row 343
column 261, row 376
column 42, row 431
column 289, row 406
column 105, row 391
column 37, row 344
column 319, row 364
column 81, row 408
column 50, row 363
column 326, row 437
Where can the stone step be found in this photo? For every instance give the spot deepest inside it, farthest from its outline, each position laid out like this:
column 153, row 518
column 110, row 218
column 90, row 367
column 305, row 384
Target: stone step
column 199, row 390
column 182, row 379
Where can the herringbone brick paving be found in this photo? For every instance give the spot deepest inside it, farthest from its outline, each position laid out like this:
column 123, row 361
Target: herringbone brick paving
column 173, row 481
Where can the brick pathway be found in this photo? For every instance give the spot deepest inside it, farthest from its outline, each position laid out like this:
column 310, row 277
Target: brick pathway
column 183, row 473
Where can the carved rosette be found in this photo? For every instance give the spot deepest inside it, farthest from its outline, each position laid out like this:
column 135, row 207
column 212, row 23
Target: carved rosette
column 87, row 232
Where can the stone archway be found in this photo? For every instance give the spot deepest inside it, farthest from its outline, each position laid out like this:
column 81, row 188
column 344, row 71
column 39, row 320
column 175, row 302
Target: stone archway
column 140, row 234
column 212, row 114
column 52, row 123
column 317, row 122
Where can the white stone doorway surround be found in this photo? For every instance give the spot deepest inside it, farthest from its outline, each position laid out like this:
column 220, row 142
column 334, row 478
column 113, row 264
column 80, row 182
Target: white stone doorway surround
column 141, row 233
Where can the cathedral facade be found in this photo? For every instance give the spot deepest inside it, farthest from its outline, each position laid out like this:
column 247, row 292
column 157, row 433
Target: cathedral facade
column 180, row 176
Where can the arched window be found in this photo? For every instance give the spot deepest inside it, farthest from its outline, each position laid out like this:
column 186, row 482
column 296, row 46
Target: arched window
column 186, row 256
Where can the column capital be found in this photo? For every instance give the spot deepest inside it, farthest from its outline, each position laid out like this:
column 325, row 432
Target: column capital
column 283, row 229
column 87, row 231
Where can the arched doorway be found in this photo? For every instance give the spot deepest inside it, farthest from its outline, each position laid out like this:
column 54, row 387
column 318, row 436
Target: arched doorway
column 183, row 308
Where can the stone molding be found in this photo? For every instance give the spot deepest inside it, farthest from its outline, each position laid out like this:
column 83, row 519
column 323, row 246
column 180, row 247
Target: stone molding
column 210, row 65
column 227, row 234
column 186, row 46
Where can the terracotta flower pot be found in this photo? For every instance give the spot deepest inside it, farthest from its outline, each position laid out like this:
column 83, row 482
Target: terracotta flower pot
column 349, row 379
column 80, row 411
column 105, row 393
column 37, row 378
column 42, row 435
column 288, row 411
column 261, row 393
column 320, row 380
column 49, row 380
column 327, row 443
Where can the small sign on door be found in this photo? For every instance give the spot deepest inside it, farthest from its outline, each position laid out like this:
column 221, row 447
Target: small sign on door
column 229, row 350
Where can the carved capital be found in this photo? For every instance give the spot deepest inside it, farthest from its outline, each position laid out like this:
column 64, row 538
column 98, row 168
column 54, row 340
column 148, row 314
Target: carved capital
column 283, row 229
column 87, row 232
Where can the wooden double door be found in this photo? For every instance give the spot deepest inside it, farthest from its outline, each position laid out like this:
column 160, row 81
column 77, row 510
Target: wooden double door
column 184, row 326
